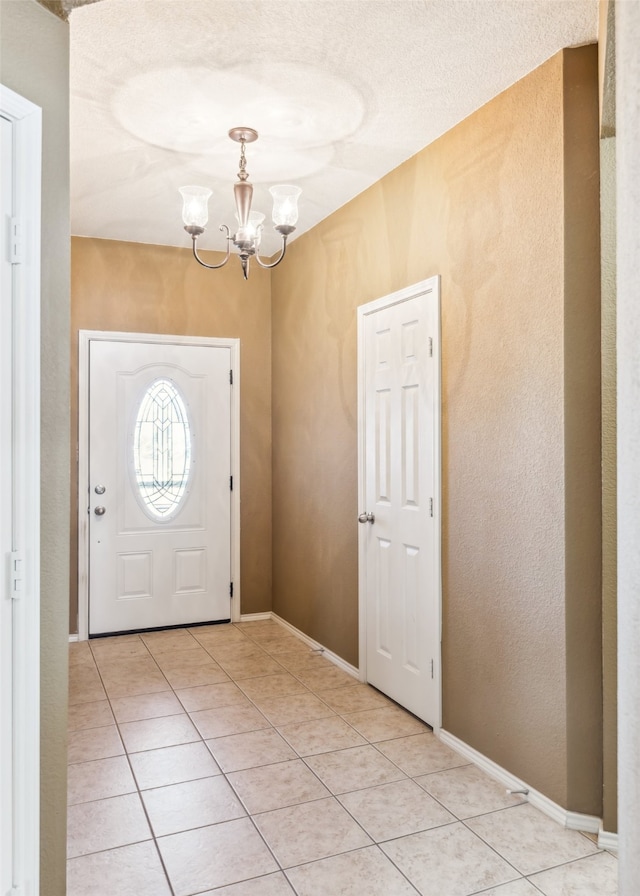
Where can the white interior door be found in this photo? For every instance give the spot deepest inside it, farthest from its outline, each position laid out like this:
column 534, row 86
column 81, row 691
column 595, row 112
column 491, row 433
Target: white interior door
column 400, row 497
column 159, row 485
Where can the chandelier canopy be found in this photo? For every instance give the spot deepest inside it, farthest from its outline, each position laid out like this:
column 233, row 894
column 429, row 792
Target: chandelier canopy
column 247, row 237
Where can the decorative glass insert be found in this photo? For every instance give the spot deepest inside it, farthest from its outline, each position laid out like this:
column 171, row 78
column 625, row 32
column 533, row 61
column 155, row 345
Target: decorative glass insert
column 162, row 449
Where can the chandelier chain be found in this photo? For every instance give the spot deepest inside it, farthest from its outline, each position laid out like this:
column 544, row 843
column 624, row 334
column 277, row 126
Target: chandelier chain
column 243, row 174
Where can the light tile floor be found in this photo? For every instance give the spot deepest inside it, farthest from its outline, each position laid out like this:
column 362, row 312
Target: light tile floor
column 232, row 760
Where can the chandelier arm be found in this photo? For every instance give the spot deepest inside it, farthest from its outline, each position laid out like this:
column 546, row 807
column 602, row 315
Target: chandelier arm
column 279, row 259
column 212, row 267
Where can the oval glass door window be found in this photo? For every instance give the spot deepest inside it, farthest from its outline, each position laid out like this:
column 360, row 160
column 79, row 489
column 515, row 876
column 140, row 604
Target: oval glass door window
column 162, row 450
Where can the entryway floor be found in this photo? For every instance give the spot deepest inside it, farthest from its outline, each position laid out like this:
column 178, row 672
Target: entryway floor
column 232, row 760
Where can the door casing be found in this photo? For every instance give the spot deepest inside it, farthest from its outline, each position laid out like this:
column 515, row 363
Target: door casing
column 20, row 629
column 432, row 286
column 85, row 338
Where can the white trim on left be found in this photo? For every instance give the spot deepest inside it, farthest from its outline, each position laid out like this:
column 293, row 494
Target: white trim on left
column 85, row 337
column 26, row 119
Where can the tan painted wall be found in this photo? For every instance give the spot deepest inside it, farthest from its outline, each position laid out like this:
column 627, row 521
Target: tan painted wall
column 34, row 55
column 159, row 289
column 484, row 206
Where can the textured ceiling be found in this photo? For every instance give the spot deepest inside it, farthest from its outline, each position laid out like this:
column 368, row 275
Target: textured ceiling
column 341, row 92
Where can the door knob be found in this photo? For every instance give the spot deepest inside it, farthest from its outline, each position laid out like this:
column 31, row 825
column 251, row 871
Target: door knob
column 100, row 511
column 366, row 518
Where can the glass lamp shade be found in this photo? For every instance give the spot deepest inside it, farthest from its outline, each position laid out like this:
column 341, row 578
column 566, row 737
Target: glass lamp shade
column 252, row 231
column 285, row 204
column 195, row 210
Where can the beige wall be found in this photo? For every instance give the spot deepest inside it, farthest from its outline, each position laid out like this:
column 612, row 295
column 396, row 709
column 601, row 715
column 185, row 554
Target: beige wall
column 496, row 207
column 35, row 56
column 159, row 289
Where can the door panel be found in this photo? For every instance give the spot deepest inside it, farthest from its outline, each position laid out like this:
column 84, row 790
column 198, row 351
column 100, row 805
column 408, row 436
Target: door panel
column 159, row 485
column 400, row 584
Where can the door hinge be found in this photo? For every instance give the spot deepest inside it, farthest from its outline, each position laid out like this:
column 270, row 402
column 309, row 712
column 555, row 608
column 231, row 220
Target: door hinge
column 430, row 346
column 231, row 377
column 230, row 589
column 432, row 668
column 431, row 506
column 16, row 574
column 231, row 483
column 15, row 241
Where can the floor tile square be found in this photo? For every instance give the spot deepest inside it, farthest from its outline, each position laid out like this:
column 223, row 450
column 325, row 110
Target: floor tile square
column 468, row 791
column 271, row 885
column 228, row 720
column 449, row 861
column 530, row 840
column 224, row 634
column 354, row 768
column 90, row 715
column 193, row 804
column 105, row 824
column 275, row 786
column 173, row 765
column 363, row 871
column 80, row 654
column 321, row 736
column 210, row 696
column 395, row 810
column 357, row 698
column 249, row 750
column 94, row 743
column 146, row 706
column 420, row 754
column 250, row 666
column 128, row 869
column 151, row 734
column 171, row 660
column 266, row 686
column 215, row 856
column 310, row 831
column 192, row 676
column 294, row 708
column 325, row 679
column 169, row 640
column 139, row 675
column 593, row 876
column 99, row 779
column 85, row 685
column 520, row 887
column 385, row 723
column 107, row 650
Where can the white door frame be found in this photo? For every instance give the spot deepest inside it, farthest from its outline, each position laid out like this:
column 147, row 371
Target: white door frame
column 24, row 560
column 87, row 336
column 432, row 285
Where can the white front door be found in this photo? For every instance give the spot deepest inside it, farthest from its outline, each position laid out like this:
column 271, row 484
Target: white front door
column 400, row 497
column 160, row 484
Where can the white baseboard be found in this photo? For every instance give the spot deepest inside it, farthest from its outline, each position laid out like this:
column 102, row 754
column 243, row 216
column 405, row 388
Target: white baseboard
column 73, row 638
column 315, row 645
column 256, row 617
column 575, row 821
column 608, row 841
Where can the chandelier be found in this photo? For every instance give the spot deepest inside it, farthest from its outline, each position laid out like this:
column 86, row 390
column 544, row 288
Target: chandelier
column 247, row 237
